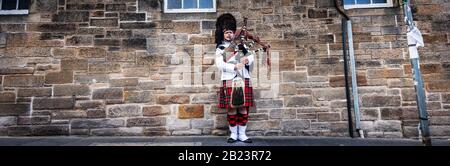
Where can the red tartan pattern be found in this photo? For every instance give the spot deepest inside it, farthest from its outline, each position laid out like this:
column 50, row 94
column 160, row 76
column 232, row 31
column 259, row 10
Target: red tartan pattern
column 225, row 94
column 242, row 119
column 232, row 120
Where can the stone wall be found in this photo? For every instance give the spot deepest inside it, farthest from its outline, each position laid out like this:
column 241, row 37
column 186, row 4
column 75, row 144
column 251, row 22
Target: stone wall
column 113, row 67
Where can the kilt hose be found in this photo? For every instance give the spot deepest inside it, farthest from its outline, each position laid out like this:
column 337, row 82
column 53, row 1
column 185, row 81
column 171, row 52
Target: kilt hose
column 225, row 99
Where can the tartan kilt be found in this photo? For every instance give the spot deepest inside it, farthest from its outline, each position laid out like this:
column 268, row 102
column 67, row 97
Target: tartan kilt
column 225, row 94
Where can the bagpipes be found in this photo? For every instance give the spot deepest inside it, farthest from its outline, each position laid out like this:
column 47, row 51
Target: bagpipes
column 246, row 40
column 239, row 47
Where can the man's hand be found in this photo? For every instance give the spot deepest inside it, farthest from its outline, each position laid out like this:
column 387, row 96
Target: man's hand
column 266, row 47
column 244, row 60
column 239, row 66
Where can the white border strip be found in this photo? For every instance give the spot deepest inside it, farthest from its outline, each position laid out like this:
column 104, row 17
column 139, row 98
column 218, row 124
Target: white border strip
column 14, row 12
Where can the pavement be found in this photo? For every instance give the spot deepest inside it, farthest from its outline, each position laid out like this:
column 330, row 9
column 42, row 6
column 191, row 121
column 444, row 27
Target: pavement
column 211, row 141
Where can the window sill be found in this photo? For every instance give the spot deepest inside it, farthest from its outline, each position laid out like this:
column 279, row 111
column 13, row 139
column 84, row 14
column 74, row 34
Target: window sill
column 190, row 11
column 14, row 12
column 346, row 7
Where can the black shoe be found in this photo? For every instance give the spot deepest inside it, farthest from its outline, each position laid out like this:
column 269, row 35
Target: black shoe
column 248, row 141
column 231, row 140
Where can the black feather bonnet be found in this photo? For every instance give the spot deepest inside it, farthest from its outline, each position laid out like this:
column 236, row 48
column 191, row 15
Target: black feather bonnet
column 224, row 22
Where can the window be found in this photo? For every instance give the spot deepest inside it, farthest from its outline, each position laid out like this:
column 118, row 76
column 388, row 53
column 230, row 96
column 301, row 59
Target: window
column 14, row 7
column 350, row 4
column 189, row 6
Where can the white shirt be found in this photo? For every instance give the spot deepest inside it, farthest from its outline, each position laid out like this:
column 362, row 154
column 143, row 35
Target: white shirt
column 227, row 69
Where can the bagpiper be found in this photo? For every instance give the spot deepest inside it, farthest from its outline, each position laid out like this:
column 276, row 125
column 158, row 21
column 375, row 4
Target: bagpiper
column 234, row 65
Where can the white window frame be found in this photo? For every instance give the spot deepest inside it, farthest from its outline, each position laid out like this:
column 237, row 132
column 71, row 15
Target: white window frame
column 17, row 11
column 209, row 10
column 389, row 3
